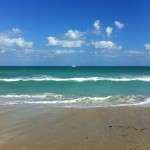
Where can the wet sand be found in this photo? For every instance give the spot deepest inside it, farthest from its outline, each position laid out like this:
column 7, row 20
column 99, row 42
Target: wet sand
column 47, row 128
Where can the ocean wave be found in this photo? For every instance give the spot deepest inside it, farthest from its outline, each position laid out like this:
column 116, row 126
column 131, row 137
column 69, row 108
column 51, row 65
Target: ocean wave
column 39, row 96
column 61, row 100
column 77, row 79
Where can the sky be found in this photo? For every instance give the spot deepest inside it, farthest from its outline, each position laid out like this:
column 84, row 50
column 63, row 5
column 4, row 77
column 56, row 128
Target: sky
column 74, row 32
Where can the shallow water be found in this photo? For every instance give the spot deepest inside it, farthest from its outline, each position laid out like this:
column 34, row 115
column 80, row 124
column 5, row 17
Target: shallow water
column 79, row 86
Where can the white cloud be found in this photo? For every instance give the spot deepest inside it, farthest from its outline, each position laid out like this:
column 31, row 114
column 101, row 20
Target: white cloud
column 109, row 45
column 10, row 40
column 119, row 25
column 74, row 34
column 16, row 30
column 71, row 44
column 53, row 41
column 97, row 25
column 60, row 52
column 109, row 31
column 15, row 42
column 147, row 46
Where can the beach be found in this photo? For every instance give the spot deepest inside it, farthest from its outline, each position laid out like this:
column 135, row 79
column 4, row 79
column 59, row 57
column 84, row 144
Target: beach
column 41, row 127
column 74, row 75
column 81, row 108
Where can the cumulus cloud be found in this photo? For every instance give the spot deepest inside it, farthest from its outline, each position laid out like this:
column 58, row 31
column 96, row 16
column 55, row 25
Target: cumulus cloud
column 16, row 30
column 14, row 42
column 119, row 25
column 109, row 45
column 74, row 34
column 71, row 44
column 97, row 25
column 53, row 41
column 147, row 46
column 11, row 40
column 75, row 39
column 109, row 31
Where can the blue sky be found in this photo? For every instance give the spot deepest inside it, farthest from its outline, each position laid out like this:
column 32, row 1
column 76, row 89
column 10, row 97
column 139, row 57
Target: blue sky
column 75, row 32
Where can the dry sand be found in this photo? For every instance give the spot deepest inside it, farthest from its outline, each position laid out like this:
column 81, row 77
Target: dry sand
column 47, row 128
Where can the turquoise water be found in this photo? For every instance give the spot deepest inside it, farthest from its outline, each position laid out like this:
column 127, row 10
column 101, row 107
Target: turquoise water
column 75, row 86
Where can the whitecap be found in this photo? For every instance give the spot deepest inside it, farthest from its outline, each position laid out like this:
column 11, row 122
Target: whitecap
column 77, row 79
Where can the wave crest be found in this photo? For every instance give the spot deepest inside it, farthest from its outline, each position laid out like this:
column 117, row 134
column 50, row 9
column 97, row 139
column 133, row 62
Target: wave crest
column 61, row 100
column 77, row 79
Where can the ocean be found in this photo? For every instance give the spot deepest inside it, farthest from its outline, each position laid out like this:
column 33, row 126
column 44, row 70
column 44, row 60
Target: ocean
column 75, row 86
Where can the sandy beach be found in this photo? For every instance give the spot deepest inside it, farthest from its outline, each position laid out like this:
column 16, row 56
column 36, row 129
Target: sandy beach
column 48, row 128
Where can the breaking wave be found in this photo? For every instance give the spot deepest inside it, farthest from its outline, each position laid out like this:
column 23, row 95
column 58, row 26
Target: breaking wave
column 77, row 79
column 61, row 100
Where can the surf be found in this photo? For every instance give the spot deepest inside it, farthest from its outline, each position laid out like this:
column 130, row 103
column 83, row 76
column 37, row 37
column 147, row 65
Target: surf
column 77, row 79
column 74, row 101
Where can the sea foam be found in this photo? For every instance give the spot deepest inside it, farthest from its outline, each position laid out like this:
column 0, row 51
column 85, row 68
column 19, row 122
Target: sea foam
column 77, row 79
column 58, row 99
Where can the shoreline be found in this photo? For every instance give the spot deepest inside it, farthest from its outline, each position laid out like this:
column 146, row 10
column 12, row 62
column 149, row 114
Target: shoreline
column 43, row 127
